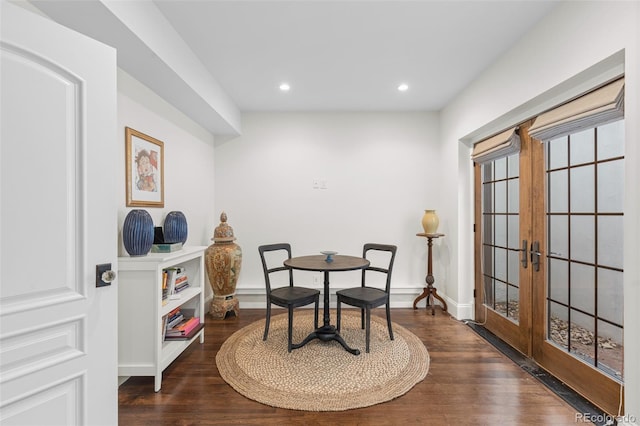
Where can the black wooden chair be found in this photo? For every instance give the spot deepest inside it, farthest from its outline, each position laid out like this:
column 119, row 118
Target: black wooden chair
column 368, row 297
column 288, row 296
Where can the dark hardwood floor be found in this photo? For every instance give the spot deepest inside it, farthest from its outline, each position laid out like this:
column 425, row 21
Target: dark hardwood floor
column 469, row 383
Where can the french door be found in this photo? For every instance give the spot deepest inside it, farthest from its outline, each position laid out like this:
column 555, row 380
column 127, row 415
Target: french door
column 503, row 200
column 549, row 256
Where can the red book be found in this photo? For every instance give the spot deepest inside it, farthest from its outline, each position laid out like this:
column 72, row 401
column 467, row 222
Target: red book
column 190, row 325
column 184, row 327
column 186, row 336
column 174, row 312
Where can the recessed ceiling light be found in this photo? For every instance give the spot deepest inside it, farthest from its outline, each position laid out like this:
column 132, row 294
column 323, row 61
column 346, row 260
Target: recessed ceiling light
column 403, row 87
column 285, row 87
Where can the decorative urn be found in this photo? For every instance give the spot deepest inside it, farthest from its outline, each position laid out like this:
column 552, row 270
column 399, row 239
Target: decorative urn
column 223, row 260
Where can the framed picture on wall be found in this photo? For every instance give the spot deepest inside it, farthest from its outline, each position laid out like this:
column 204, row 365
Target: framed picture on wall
column 144, row 165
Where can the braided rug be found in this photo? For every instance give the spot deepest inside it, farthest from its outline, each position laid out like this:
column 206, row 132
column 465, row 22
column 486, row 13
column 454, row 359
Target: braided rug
column 322, row 376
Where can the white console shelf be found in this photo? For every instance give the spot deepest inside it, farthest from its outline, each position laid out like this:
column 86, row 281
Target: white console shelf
column 141, row 348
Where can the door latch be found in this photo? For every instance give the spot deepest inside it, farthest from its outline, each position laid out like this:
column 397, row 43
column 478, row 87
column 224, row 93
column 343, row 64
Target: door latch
column 535, row 255
column 524, row 259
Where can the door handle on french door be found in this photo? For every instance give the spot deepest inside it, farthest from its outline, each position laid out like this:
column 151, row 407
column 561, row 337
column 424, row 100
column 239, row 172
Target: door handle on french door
column 524, row 259
column 535, row 255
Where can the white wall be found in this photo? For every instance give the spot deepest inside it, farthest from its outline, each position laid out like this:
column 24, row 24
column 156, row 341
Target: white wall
column 189, row 160
column 575, row 37
column 381, row 170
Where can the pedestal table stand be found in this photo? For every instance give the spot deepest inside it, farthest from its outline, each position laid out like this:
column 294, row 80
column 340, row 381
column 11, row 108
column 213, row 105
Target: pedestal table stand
column 430, row 292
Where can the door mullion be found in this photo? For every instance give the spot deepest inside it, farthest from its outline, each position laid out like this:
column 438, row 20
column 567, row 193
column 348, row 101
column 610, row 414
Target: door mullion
column 527, row 197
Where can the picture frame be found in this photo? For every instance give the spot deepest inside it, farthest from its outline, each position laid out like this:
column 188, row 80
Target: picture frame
column 144, row 164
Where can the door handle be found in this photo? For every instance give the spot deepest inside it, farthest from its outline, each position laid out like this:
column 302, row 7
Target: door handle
column 524, row 259
column 535, row 255
column 104, row 275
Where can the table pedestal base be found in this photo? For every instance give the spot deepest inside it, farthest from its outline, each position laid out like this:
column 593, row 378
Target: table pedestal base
column 319, row 263
column 326, row 333
column 430, row 293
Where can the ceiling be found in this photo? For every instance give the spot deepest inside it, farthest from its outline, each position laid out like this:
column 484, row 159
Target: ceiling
column 215, row 59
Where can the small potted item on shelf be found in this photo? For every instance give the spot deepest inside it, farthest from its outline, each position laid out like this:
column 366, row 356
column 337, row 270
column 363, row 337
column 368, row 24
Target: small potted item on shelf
column 160, row 245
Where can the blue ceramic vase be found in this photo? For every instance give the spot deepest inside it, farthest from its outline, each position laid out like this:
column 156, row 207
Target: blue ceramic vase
column 137, row 232
column 175, row 228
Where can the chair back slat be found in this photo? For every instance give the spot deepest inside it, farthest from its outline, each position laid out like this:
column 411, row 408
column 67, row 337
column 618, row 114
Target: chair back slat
column 269, row 248
column 366, row 253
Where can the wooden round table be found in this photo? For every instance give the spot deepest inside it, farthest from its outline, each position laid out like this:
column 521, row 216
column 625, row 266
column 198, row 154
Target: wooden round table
column 318, row 263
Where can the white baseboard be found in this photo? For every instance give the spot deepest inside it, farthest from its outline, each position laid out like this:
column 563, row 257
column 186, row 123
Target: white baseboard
column 401, row 297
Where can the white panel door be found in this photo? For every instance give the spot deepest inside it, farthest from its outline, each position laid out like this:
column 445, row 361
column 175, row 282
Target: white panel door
column 58, row 332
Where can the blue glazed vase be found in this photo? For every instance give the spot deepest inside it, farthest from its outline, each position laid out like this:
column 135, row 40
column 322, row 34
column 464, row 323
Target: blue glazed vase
column 137, row 232
column 175, row 228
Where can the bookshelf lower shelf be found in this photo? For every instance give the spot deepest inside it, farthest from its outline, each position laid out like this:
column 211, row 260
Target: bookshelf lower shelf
column 171, row 349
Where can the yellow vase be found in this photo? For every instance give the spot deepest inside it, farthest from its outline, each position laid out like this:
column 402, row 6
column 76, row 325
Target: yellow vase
column 430, row 222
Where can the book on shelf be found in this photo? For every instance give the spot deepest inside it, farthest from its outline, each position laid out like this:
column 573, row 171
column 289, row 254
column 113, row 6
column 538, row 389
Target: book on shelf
column 174, row 312
column 181, row 278
column 185, row 326
column 173, row 319
column 177, row 274
column 187, row 336
column 166, row 247
column 165, row 289
column 181, row 286
column 169, row 281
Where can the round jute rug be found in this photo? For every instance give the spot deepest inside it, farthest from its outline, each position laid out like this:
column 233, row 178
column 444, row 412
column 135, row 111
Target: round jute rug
column 322, row 376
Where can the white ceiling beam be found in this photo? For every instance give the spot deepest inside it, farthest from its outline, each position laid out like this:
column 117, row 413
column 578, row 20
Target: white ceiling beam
column 150, row 50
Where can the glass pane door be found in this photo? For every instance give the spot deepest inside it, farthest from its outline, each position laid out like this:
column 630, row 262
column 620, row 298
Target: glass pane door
column 503, row 210
column 577, row 297
column 585, row 180
column 501, row 236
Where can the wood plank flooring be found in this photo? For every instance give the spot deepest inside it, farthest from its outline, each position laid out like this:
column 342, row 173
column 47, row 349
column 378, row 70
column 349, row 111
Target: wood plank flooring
column 469, row 383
